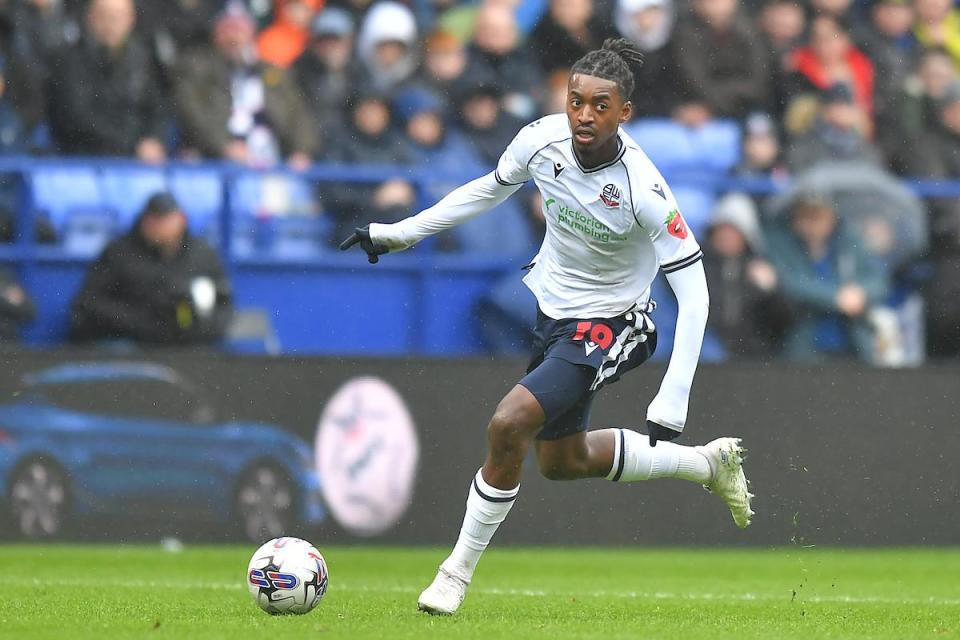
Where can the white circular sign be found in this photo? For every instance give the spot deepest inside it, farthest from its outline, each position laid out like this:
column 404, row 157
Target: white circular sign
column 366, row 455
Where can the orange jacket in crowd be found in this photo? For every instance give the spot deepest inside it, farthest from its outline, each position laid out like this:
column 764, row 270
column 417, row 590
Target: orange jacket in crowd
column 285, row 39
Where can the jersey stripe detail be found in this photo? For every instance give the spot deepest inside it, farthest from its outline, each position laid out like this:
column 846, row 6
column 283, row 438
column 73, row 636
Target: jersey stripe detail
column 623, row 454
column 633, row 208
column 476, row 488
column 535, row 153
column 496, row 175
column 670, row 267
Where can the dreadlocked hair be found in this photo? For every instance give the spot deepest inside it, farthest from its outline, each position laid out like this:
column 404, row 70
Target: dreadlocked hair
column 617, row 61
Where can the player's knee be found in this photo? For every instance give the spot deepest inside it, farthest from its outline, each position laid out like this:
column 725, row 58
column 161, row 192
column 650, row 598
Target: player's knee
column 513, row 422
column 504, row 429
column 553, row 472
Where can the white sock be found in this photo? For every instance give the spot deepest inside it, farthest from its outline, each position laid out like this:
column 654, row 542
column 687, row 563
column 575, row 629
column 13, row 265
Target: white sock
column 487, row 507
column 634, row 459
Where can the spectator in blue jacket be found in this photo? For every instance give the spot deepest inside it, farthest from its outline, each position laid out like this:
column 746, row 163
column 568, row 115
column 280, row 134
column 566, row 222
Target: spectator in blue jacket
column 830, row 279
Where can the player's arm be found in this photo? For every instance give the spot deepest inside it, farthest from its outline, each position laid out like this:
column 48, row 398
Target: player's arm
column 455, row 208
column 681, row 261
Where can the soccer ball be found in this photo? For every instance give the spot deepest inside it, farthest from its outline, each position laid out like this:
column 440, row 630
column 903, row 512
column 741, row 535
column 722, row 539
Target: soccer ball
column 287, row 575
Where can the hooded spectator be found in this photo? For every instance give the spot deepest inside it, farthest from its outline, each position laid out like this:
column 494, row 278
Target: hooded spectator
column 722, row 65
column 325, row 71
column 828, row 277
column 233, row 106
column 838, row 132
column 762, row 155
column 649, row 25
column 568, row 31
column 748, row 313
column 285, row 39
column 387, row 46
column 104, row 98
column 432, row 142
column 157, row 285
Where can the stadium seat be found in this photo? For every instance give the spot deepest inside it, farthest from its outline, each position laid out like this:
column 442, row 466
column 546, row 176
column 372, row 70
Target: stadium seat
column 125, row 190
column 298, row 237
column 59, row 191
column 696, row 205
column 712, row 147
column 71, row 198
column 717, row 145
column 271, row 194
column 200, row 194
column 86, row 232
column 668, row 144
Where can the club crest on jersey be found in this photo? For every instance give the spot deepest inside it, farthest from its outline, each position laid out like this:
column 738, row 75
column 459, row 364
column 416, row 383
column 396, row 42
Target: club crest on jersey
column 611, row 196
column 676, row 225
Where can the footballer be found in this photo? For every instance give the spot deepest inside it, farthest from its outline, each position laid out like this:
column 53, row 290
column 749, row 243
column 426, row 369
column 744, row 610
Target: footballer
column 611, row 224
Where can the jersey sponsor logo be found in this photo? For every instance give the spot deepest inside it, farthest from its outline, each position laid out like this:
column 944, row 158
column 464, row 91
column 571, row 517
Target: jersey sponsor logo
column 676, row 226
column 557, row 169
column 586, row 224
column 657, row 189
column 611, row 196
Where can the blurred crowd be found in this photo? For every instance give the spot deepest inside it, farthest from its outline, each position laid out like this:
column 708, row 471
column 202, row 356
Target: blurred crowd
column 446, row 84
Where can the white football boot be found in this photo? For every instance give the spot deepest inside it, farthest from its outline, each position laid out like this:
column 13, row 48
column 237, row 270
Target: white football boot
column 725, row 456
column 444, row 595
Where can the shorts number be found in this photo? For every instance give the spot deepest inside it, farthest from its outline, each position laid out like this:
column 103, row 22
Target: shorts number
column 600, row 334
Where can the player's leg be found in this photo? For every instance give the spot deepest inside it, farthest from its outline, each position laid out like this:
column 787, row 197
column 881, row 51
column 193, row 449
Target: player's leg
column 491, row 494
column 566, row 451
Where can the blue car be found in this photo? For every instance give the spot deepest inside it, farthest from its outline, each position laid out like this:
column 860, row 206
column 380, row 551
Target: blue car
column 138, row 440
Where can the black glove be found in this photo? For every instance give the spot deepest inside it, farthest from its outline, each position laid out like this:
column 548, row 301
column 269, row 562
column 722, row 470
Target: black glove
column 658, row 432
column 362, row 235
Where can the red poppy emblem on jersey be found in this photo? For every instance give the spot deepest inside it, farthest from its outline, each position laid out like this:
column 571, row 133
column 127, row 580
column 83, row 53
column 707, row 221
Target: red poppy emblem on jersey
column 676, row 225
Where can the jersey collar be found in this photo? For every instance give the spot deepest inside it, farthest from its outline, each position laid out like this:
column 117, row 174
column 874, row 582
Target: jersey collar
column 621, row 149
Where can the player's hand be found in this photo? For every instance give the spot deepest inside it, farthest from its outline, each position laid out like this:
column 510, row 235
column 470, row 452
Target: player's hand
column 362, row 236
column 657, row 433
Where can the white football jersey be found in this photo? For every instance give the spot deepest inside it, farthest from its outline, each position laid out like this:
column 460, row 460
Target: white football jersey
column 609, row 228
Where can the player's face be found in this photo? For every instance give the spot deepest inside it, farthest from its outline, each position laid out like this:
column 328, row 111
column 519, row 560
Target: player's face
column 595, row 110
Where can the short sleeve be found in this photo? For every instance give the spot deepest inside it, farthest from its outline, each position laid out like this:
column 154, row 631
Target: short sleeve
column 657, row 211
column 513, row 167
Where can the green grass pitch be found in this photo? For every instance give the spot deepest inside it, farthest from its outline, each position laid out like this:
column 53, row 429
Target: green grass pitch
column 108, row 592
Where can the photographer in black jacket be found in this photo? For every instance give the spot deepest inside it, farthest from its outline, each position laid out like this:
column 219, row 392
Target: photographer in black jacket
column 156, row 284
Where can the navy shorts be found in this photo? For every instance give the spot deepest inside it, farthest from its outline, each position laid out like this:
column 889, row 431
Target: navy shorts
column 573, row 359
